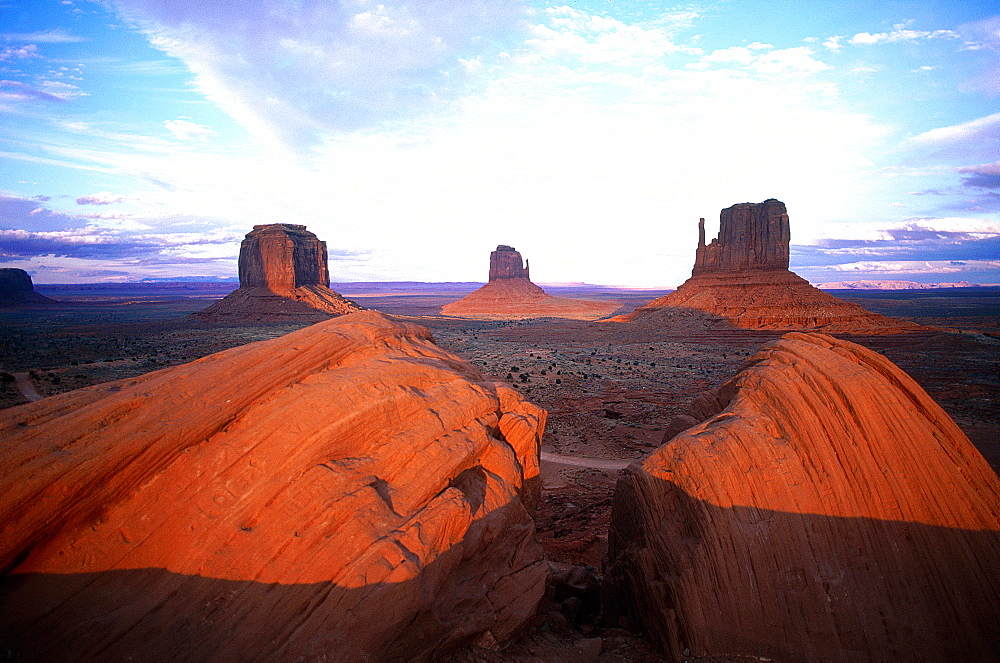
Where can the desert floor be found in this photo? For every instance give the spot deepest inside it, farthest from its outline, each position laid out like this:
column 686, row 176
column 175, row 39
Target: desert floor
column 610, row 390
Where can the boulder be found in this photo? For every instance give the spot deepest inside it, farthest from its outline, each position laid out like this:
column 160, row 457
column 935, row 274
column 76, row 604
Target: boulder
column 510, row 295
column 830, row 512
column 283, row 274
column 741, row 280
column 348, row 491
column 16, row 289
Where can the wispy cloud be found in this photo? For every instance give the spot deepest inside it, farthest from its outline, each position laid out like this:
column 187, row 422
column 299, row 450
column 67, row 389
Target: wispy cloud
column 47, row 37
column 100, row 198
column 901, row 32
column 983, row 176
column 297, row 72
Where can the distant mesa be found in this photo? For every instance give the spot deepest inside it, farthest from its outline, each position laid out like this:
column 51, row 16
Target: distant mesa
column 283, row 274
column 825, row 508
column 16, row 289
column 510, row 295
column 348, row 491
column 741, row 279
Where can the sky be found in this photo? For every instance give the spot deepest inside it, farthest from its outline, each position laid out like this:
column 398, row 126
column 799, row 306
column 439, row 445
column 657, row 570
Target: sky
column 142, row 139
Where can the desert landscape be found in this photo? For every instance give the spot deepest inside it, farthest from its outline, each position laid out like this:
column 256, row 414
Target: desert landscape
column 599, row 415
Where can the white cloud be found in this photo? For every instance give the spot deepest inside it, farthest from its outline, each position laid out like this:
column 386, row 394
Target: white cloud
column 20, row 52
column 47, row 37
column 901, row 33
column 983, row 128
column 100, row 198
column 187, row 130
column 916, row 266
column 300, row 71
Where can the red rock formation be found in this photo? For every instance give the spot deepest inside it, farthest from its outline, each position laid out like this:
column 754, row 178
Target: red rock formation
column 831, row 512
column 348, row 492
column 505, row 263
column 16, row 289
column 283, row 273
column 510, row 295
column 751, row 236
column 741, row 279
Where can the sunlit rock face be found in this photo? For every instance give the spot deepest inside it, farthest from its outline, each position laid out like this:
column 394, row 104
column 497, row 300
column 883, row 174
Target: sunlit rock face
column 751, row 236
column 16, row 288
column 348, row 491
column 510, row 295
column 831, row 511
column 283, row 273
column 741, row 279
column 505, row 263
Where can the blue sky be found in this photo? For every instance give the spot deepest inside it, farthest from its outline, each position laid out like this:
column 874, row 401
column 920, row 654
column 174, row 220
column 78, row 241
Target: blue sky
column 143, row 138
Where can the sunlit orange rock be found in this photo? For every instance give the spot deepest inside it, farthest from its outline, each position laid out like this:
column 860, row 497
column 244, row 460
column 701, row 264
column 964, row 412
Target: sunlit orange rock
column 283, row 274
column 347, row 492
column 510, row 295
column 830, row 512
column 741, row 279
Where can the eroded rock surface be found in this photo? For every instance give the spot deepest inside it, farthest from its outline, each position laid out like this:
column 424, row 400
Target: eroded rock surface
column 741, row 279
column 16, row 289
column 510, row 295
column 283, row 273
column 831, row 511
column 348, row 491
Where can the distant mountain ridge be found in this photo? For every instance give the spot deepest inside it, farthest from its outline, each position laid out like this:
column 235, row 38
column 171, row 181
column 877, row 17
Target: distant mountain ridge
column 894, row 285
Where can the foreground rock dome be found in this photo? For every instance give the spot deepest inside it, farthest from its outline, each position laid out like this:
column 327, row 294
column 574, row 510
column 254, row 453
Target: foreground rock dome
column 831, row 511
column 348, row 492
column 510, row 295
column 741, row 279
column 283, row 274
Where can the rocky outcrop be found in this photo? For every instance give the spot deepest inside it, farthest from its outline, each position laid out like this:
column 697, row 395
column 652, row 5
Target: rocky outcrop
column 283, row 274
column 751, row 236
column 741, row 280
column 505, row 263
column 831, row 511
column 347, row 492
column 16, row 289
column 510, row 295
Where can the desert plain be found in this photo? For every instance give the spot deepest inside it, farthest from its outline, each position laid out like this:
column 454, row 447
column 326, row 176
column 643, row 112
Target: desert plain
column 610, row 389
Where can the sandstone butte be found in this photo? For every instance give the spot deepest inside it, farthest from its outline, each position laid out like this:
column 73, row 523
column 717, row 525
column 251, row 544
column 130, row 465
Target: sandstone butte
column 16, row 289
column 741, row 279
column 345, row 492
column 510, row 295
column 283, row 274
column 831, row 511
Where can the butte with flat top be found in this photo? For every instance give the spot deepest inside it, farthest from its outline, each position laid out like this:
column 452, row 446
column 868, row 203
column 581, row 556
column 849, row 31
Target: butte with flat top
column 741, row 279
column 283, row 274
column 510, row 295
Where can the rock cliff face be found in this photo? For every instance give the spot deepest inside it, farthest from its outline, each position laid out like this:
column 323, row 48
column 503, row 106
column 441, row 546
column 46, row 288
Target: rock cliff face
column 345, row 492
column 505, row 263
column 751, row 236
column 831, row 511
column 510, row 295
column 741, row 279
column 283, row 273
column 16, row 289
column 282, row 257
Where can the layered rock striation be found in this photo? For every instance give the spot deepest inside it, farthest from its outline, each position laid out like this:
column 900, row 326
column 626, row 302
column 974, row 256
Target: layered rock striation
column 283, row 273
column 510, row 295
column 16, row 289
column 741, row 279
column 827, row 510
column 347, row 492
